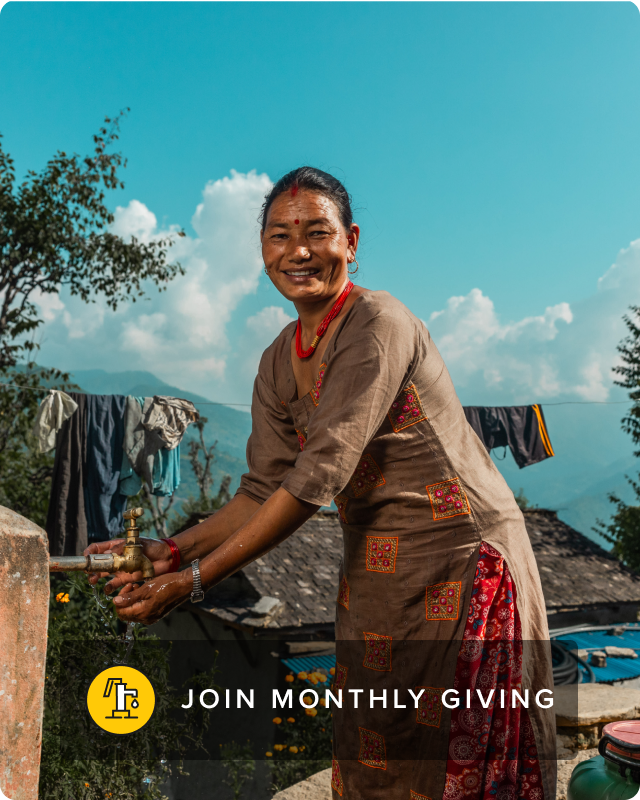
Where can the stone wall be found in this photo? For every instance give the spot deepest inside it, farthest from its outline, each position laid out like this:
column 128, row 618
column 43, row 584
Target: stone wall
column 24, row 614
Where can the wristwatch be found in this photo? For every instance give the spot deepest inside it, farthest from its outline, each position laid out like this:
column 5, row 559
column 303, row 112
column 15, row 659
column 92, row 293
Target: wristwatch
column 197, row 595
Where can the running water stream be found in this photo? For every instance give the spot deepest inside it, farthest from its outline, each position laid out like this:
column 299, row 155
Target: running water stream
column 128, row 636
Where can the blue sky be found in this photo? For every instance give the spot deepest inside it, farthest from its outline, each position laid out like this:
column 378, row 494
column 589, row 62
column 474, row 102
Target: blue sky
column 491, row 150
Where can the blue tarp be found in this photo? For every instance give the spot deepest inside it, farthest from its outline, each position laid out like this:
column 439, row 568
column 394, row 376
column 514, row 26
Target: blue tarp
column 617, row 669
column 309, row 664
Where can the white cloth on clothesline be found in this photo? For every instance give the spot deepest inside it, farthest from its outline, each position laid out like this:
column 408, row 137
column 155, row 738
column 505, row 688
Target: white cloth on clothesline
column 54, row 410
column 169, row 418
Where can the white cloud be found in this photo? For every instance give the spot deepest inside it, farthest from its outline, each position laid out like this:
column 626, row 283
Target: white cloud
column 180, row 334
column 261, row 329
column 194, row 335
column 566, row 351
column 48, row 304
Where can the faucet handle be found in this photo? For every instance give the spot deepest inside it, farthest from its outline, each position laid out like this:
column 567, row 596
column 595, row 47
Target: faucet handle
column 133, row 513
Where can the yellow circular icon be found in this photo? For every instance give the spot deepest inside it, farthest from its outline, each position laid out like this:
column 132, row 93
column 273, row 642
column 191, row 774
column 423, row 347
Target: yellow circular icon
column 121, row 700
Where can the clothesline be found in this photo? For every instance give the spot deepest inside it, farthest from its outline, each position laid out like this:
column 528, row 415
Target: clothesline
column 248, row 405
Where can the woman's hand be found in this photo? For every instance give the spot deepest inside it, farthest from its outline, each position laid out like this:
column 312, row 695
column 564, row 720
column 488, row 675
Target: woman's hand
column 159, row 553
column 154, row 599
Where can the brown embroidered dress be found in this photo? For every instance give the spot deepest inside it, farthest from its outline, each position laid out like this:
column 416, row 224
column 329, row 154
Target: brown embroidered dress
column 383, row 433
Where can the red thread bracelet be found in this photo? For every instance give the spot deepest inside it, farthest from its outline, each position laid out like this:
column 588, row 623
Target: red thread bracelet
column 175, row 555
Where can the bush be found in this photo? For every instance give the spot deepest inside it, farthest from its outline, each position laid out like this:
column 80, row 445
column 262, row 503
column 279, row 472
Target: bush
column 80, row 761
column 303, row 738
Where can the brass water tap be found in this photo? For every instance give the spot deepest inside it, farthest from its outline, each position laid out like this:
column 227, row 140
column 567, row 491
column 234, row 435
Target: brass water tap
column 132, row 559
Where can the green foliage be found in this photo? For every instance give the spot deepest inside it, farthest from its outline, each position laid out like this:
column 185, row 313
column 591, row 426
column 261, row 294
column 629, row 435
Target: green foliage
column 240, row 766
column 623, row 531
column 80, row 762
column 304, row 746
column 522, row 500
column 55, row 232
column 205, row 502
column 629, row 371
column 25, row 473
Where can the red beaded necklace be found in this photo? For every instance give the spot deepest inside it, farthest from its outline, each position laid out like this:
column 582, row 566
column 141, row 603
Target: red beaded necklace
column 322, row 329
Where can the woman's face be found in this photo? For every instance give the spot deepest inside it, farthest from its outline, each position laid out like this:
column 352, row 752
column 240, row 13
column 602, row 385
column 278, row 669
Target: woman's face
column 305, row 247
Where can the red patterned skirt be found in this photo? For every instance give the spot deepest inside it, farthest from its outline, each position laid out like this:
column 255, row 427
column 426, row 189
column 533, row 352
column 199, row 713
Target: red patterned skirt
column 492, row 751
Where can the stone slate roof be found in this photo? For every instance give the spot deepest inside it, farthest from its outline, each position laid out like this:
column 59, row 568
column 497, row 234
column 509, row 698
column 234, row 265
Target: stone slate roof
column 576, row 572
column 301, row 574
column 292, row 589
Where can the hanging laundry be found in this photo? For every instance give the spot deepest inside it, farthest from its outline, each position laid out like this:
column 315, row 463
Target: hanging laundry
column 66, row 524
column 169, row 417
column 144, row 454
column 54, row 410
column 520, row 428
column 105, row 434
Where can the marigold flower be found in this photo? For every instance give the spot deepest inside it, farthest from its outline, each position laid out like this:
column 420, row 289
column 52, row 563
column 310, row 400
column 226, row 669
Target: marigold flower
column 269, row 754
column 62, row 597
column 311, row 712
column 291, row 719
column 302, row 676
column 293, row 749
column 323, row 702
column 322, row 729
column 86, row 784
column 332, row 671
column 307, row 700
column 301, row 747
column 277, row 720
column 289, row 679
column 278, row 747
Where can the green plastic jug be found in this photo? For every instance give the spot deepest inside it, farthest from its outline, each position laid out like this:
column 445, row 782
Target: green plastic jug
column 615, row 773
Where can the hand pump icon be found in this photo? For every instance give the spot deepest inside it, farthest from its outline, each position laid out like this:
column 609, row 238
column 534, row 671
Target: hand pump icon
column 121, row 711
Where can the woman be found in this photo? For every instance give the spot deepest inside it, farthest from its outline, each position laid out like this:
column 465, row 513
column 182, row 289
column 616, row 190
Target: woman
column 439, row 587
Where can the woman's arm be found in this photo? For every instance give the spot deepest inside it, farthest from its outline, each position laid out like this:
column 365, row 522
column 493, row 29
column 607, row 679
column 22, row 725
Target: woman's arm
column 271, row 523
column 196, row 542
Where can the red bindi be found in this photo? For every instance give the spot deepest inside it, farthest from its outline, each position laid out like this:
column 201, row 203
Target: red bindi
column 297, row 221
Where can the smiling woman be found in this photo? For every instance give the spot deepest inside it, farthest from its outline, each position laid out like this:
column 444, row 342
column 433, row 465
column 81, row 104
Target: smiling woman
column 353, row 403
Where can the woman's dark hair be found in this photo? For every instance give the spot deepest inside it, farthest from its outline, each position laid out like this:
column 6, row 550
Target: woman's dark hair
column 313, row 180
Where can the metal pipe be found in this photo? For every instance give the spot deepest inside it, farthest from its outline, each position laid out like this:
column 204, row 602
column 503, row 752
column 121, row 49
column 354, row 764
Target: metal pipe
column 132, row 558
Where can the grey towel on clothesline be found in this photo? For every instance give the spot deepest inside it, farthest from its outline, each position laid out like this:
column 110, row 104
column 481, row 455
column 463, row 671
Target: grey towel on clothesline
column 169, row 418
column 140, row 445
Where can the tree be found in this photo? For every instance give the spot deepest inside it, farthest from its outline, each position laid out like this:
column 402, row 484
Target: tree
column 25, row 472
column 54, row 232
column 623, row 531
column 205, row 503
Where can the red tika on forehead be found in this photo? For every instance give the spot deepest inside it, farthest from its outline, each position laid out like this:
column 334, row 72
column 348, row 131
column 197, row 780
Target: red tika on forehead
column 294, row 190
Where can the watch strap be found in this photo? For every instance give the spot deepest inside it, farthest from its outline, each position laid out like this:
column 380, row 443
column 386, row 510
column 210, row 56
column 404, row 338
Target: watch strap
column 197, row 595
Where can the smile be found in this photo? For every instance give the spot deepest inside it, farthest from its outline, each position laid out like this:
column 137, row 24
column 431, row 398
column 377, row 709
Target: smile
column 300, row 273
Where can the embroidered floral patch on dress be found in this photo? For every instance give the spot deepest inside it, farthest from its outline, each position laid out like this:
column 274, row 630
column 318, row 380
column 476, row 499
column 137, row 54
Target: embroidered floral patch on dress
column 373, row 752
column 367, row 476
column 377, row 654
column 315, row 392
column 406, row 409
column 381, row 553
column 416, row 796
column 341, row 676
column 336, row 778
column 341, row 501
column 443, row 601
column 302, row 437
column 429, row 706
column 448, row 499
column 343, row 593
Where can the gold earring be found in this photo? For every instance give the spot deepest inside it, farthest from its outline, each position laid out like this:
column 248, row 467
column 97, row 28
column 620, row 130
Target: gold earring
column 353, row 272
